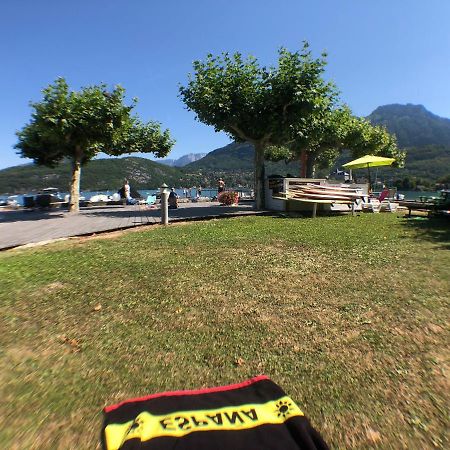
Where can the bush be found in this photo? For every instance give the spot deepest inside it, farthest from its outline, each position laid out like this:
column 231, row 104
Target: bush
column 228, row 198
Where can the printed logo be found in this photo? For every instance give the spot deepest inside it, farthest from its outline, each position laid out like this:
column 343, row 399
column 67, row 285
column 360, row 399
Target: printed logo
column 147, row 426
column 284, row 408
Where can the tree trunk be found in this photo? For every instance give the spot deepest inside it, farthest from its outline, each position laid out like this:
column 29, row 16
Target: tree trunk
column 74, row 202
column 303, row 163
column 259, row 177
column 311, row 166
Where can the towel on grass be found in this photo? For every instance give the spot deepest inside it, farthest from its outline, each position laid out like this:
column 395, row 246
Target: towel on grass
column 253, row 415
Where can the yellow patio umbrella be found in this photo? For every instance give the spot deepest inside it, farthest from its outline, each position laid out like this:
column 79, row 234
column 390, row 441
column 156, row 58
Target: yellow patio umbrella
column 369, row 161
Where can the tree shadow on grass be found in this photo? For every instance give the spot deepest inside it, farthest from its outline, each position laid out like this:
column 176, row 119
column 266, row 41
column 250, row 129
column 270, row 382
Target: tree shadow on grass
column 432, row 229
column 180, row 213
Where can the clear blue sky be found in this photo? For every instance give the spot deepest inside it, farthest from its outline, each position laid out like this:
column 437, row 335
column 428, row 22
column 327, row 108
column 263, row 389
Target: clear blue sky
column 380, row 51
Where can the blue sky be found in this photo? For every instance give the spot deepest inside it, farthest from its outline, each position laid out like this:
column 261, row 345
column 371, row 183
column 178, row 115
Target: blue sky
column 380, row 52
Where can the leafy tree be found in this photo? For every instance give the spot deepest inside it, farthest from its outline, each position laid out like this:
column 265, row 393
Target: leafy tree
column 322, row 140
column 79, row 125
column 257, row 104
column 364, row 138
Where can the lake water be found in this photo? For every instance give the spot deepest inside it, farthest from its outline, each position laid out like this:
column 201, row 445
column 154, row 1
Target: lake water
column 190, row 193
column 414, row 195
column 206, row 192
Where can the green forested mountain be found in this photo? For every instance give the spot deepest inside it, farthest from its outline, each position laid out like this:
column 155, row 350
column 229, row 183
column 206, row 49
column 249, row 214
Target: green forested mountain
column 234, row 163
column 413, row 125
column 427, row 164
column 424, row 136
column 237, row 156
column 100, row 174
column 423, row 166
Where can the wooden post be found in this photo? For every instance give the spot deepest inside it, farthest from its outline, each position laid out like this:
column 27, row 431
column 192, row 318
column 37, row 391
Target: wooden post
column 314, row 213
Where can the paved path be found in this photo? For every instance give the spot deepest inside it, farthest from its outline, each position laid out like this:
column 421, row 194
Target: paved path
column 22, row 227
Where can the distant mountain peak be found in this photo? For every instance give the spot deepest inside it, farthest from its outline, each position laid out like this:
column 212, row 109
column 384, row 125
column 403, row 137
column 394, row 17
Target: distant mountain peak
column 183, row 160
column 413, row 125
column 190, row 157
column 401, row 107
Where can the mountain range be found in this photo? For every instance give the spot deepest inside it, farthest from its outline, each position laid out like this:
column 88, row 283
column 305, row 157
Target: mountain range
column 184, row 160
column 98, row 174
column 234, row 156
column 424, row 135
column 413, row 125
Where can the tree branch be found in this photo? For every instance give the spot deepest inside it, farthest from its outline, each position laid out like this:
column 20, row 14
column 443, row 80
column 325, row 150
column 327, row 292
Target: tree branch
column 285, row 107
column 241, row 134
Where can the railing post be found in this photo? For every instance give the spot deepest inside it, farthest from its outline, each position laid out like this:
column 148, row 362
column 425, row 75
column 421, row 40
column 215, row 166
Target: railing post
column 164, row 204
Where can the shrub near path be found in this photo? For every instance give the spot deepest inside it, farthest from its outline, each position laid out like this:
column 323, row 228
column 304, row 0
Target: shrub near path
column 348, row 314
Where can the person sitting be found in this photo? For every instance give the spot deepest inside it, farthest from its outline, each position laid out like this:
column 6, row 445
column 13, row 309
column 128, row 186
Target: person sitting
column 173, row 199
column 385, row 194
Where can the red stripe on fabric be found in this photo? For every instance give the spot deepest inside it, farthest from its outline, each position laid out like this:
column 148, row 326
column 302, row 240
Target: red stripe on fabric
column 228, row 387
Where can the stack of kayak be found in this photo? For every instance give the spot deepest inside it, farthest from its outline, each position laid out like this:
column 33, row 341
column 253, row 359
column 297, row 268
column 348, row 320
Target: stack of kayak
column 315, row 193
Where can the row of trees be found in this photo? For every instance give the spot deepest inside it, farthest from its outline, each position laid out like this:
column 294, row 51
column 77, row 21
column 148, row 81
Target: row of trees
column 287, row 112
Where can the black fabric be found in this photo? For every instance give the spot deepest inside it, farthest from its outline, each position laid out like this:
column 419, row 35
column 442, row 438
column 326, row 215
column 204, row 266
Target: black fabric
column 297, row 434
column 258, row 392
column 248, row 411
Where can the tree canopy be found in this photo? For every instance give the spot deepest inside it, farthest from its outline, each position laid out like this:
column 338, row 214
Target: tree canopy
column 261, row 105
column 336, row 130
column 284, row 111
column 77, row 125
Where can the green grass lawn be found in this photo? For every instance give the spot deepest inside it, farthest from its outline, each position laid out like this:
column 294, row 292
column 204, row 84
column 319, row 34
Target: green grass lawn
column 348, row 314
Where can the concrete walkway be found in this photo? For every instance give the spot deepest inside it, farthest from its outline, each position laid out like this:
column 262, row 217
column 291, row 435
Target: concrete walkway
column 20, row 227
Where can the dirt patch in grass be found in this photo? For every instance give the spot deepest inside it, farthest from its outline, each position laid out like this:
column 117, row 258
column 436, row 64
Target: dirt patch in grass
column 52, row 287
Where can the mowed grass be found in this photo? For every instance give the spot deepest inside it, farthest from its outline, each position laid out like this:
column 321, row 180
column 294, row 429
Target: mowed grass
column 348, row 314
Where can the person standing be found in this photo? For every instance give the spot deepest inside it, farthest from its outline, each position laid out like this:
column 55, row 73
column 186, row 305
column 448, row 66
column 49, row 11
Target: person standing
column 199, row 191
column 126, row 190
column 173, row 199
column 127, row 193
column 221, row 186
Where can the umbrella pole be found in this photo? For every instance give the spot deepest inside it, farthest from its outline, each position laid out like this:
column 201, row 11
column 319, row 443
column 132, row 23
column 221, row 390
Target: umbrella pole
column 368, row 170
